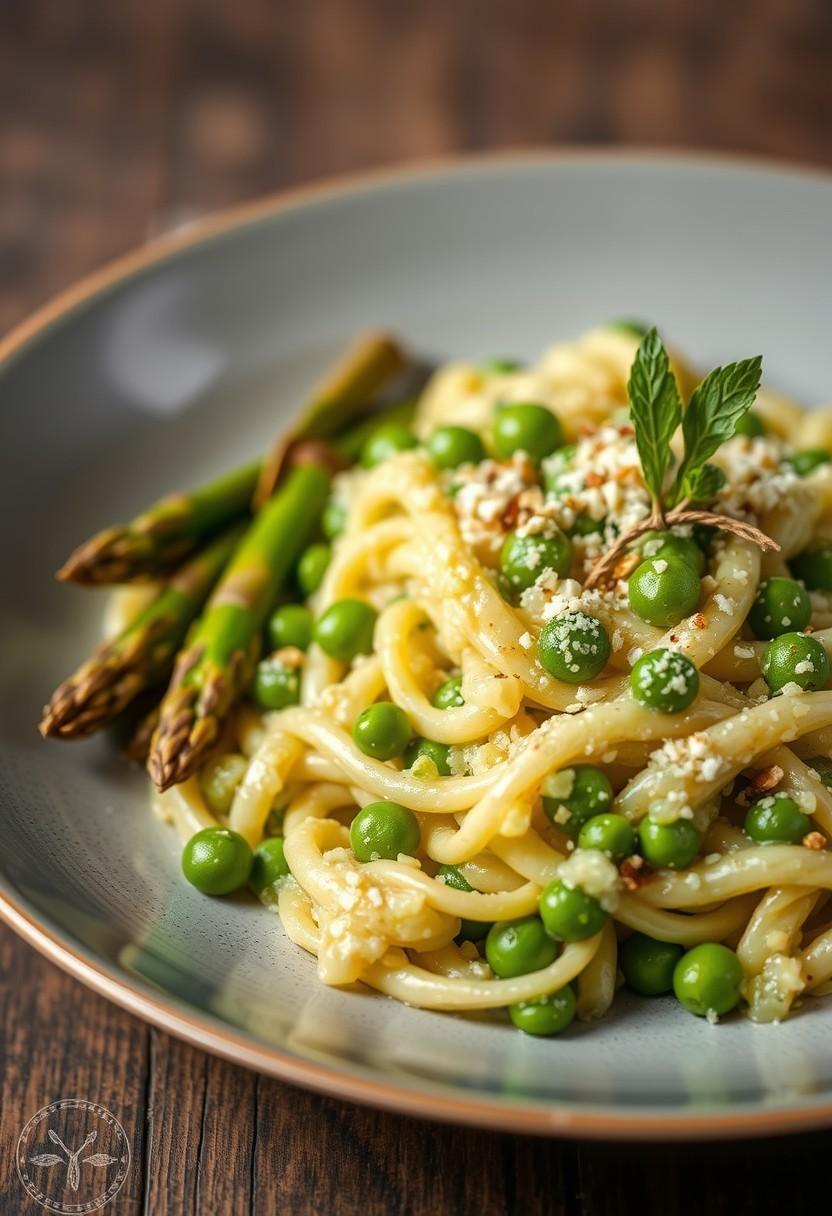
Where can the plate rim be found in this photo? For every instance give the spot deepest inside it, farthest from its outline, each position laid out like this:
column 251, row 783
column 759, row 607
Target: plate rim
column 424, row 1100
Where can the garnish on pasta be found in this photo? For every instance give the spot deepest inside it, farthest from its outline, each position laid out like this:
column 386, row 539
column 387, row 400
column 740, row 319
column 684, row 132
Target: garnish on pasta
column 512, row 697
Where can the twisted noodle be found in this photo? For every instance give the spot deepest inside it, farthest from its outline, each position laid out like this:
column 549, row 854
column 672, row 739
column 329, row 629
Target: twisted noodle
column 409, row 550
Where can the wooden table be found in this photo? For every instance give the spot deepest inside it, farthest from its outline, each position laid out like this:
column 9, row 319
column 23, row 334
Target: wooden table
column 123, row 118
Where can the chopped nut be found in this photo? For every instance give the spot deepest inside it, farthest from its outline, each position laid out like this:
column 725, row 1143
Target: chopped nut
column 626, row 473
column 634, row 873
column 509, row 517
column 626, row 564
column 814, row 840
column 289, row 656
column 767, row 778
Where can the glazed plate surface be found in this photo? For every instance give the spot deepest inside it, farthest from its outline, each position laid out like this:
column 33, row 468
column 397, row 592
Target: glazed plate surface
column 190, row 357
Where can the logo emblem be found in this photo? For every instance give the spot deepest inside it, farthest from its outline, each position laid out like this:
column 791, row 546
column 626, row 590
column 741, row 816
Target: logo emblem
column 73, row 1156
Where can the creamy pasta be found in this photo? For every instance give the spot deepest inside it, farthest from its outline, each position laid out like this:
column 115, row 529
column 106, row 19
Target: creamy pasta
column 591, row 782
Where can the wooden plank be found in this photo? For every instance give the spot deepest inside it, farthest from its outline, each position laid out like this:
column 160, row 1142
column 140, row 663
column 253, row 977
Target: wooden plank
column 62, row 1041
column 201, row 1121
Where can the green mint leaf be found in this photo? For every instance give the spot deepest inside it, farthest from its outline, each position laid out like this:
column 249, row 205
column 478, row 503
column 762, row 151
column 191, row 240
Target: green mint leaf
column 655, row 409
column 715, row 408
column 705, row 483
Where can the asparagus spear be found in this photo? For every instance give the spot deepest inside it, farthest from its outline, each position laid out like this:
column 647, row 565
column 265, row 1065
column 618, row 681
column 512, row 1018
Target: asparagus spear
column 352, row 385
column 217, row 664
column 165, row 534
column 142, row 655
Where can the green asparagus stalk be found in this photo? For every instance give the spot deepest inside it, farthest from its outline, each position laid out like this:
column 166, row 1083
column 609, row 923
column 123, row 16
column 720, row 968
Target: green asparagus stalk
column 166, row 533
column 159, row 539
column 219, row 659
column 350, row 388
column 142, row 655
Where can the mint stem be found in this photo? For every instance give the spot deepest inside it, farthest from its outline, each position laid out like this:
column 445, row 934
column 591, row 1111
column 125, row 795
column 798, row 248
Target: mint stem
column 602, row 569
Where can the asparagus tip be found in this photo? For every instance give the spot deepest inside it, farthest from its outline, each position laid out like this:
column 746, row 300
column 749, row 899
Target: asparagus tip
column 98, row 691
column 182, row 738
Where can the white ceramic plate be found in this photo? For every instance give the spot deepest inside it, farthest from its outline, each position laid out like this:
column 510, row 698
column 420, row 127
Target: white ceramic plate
column 189, row 356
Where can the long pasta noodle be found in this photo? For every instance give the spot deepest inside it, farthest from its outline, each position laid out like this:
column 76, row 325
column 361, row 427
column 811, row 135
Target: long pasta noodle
column 503, row 731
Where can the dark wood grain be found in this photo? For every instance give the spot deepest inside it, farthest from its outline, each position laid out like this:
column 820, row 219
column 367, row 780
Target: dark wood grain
column 123, row 119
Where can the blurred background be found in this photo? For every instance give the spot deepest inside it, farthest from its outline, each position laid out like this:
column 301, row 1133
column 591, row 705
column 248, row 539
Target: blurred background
column 123, row 118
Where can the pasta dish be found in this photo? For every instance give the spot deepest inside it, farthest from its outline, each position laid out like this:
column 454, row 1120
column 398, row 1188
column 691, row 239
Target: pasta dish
column 506, row 696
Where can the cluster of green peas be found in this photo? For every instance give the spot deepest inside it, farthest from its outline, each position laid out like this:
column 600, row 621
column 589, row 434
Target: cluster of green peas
column 218, row 861
column 782, row 608
column 346, row 628
column 573, row 648
column 664, row 589
column 704, row 979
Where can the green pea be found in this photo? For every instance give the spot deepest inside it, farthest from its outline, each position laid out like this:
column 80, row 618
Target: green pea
column 469, row 930
column 569, row 914
column 346, row 629
column 780, row 605
column 275, row 685
column 449, row 694
column 668, row 544
column 546, row 1015
column 386, row 442
column 808, row 460
column 219, row 781
column 776, row 819
column 574, row 795
column 269, row 864
column 626, row 325
column 451, row 446
column 437, row 753
column 664, row 590
column 501, row 366
column 707, row 979
column 516, row 947
column 528, row 428
column 334, row 518
column 555, row 469
column 814, row 568
column 665, row 680
column 585, row 525
column 312, row 567
column 382, row 730
column 668, row 846
column 524, row 558
column 384, row 829
column 290, row 625
column 610, row 833
column 216, row 861
column 750, row 425
column 574, row 647
column 648, row 964
column 795, row 658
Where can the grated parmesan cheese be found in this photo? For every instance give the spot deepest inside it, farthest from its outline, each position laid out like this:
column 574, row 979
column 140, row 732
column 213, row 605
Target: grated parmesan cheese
column 595, row 874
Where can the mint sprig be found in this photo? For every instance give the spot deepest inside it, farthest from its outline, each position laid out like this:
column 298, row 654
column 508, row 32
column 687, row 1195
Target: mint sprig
column 711, row 417
column 715, row 408
column 656, row 410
